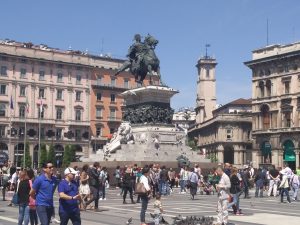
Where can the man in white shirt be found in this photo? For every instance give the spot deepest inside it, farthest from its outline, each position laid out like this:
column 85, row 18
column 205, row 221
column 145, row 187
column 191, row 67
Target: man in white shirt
column 223, row 190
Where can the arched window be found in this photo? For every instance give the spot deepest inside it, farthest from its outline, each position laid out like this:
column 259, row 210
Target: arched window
column 269, row 87
column 265, row 111
column 261, row 86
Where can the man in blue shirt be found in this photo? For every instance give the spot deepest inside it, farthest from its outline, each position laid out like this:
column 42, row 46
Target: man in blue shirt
column 42, row 190
column 68, row 196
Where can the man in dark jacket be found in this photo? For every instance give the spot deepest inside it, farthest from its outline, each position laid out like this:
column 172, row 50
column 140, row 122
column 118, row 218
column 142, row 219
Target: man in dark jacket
column 259, row 182
column 94, row 185
column 245, row 181
column 163, row 181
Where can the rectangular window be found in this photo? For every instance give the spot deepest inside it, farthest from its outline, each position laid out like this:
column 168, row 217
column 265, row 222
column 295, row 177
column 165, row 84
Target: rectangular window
column 23, row 73
column 42, row 75
column 99, row 96
column 58, row 133
column 113, row 82
column 287, row 87
column 42, row 132
column 78, row 115
column 112, row 130
column 112, row 97
column 3, row 71
column 229, row 134
column 2, row 109
column 98, row 131
column 98, row 112
column 112, row 114
column 41, row 93
column 78, row 79
column 59, row 94
column 3, row 89
column 59, row 77
column 58, row 113
column 78, row 95
column 2, row 131
column 22, row 91
column 126, row 84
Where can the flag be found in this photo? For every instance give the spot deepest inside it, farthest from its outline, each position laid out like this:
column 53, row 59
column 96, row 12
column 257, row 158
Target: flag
column 27, row 105
column 11, row 102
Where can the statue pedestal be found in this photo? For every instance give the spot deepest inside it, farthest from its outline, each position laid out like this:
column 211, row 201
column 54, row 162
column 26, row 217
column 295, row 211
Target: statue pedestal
column 151, row 136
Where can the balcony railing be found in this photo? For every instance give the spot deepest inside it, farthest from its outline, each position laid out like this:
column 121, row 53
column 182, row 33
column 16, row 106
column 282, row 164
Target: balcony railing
column 109, row 86
column 276, row 130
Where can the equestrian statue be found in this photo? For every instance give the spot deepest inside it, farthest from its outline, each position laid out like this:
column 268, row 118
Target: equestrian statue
column 142, row 59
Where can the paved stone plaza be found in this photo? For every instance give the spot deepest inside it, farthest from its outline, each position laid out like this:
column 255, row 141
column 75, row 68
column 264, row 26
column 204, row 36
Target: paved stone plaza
column 265, row 211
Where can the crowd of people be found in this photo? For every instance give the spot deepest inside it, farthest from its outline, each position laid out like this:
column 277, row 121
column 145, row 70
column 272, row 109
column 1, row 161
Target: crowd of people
column 82, row 189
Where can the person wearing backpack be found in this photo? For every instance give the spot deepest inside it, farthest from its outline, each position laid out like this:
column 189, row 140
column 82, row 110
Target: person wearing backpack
column 193, row 183
column 235, row 191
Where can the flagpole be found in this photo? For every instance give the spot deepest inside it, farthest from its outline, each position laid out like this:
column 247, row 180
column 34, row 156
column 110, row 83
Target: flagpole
column 39, row 151
column 25, row 133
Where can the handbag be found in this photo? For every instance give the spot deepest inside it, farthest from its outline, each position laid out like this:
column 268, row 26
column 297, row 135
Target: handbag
column 15, row 199
column 140, row 189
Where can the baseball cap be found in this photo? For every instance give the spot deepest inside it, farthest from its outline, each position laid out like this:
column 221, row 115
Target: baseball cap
column 70, row 170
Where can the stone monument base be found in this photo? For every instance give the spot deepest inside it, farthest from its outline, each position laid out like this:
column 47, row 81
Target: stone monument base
column 154, row 143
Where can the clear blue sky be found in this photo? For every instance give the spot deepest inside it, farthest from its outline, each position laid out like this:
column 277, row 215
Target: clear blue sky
column 232, row 27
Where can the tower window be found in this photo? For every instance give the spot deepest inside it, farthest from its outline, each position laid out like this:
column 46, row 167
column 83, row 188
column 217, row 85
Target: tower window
column 207, row 72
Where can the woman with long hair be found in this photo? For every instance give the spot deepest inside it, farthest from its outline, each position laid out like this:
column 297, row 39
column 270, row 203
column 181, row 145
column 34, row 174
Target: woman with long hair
column 144, row 198
column 23, row 189
column 235, row 191
column 32, row 207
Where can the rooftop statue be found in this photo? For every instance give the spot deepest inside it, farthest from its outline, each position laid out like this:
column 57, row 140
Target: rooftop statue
column 142, row 59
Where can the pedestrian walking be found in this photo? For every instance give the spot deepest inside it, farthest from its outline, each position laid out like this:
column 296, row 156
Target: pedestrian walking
column 193, row 183
column 235, row 191
column 68, row 197
column 295, row 184
column 144, row 197
column 84, row 188
column 259, row 183
column 102, row 180
column 127, row 186
column 284, row 186
column 223, row 189
column 42, row 190
column 94, row 185
column 23, row 189
column 32, row 205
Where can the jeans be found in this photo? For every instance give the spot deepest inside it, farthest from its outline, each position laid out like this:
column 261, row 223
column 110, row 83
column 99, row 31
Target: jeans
column 23, row 214
column 73, row 216
column 95, row 193
column 259, row 190
column 127, row 189
column 44, row 213
column 102, row 191
column 286, row 192
column 33, row 217
column 236, row 201
column 295, row 189
column 182, row 185
column 163, row 187
column 145, row 201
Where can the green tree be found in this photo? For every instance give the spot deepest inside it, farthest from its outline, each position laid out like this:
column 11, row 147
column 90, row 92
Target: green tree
column 67, row 156
column 51, row 155
column 192, row 144
column 43, row 154
column 73, row 153
column 28, row 160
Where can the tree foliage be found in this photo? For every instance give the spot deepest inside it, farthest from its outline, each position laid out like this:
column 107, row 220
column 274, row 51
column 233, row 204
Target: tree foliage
column 43, row 155
column 28, row 160
column 69, row 155
column 51, row 155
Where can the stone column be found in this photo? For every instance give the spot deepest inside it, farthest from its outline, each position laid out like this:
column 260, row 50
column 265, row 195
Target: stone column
column 255, row 158
column 275, row 158
column 236, row 157
column 280, row 158
column 220, row 152
column 297, row 158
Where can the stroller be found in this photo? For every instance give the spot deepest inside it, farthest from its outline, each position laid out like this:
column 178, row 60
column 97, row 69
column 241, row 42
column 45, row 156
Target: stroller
column 206, row 187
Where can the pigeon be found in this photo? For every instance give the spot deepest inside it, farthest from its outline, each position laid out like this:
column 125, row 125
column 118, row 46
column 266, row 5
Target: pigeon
column 129, row 221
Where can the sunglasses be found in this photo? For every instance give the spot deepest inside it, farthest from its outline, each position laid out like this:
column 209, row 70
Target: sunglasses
column 49, row 167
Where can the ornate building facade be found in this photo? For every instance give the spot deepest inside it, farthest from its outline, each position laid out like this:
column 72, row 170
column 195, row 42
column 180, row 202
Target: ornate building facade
column 276, row 104
column 226, row 137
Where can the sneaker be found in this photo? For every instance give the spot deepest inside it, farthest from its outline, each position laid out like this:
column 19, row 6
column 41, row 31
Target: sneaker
column 100, row 199
column 54, row 220
column 104, row 199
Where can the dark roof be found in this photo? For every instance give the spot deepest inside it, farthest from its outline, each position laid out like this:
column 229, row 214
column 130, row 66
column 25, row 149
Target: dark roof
column 237, row 102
